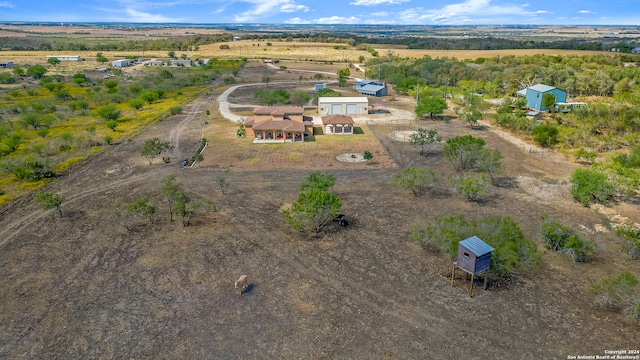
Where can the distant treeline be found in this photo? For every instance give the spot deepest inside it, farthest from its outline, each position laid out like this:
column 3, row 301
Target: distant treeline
column 42, row 43
column 439, row 43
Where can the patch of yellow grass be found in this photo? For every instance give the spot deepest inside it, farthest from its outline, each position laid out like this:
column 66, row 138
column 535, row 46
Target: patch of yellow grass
column 296, row 157
column 63, row 166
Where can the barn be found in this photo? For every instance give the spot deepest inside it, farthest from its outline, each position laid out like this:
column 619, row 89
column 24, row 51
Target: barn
column 370, row 88
column 535, row 93
column 356, row 105
column 64, row 57
column 121, row 63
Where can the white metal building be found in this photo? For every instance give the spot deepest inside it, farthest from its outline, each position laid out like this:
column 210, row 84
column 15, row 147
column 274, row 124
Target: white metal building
column 356, row 105
column 121, row 63
column 65, row 57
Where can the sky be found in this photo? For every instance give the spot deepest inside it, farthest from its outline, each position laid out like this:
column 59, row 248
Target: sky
column 392, row 12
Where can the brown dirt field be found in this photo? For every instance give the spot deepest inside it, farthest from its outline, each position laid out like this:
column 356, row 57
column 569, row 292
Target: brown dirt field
column 83, row 287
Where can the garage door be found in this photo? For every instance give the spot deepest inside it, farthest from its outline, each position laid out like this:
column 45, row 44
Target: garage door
column 351, row 108
column 336, row 109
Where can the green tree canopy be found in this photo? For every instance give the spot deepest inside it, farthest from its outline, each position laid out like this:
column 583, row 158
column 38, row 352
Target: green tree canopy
column 415, row 179
column 589, row 185
column 423, row 138
column 108, row 112
column 343, row 76
column 53, row 61
column 430, row 105
column 545, row 135
column 513, row 251
column 36, row 71
column 152, row 147
column 462, row 150
column 315, row 205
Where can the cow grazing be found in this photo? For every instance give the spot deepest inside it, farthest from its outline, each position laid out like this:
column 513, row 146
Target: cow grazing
column 242, row 284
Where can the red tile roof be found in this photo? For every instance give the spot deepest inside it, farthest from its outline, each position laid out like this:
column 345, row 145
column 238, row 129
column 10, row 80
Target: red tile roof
column 284, row 125
column 337, row 120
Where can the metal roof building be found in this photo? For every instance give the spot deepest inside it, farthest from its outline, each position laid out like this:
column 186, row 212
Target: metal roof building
column 343, row 105
column 534, row 95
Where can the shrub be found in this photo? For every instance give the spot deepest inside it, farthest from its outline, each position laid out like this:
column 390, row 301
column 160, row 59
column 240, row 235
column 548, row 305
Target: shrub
column 29, row 168
column 111, row 124
column 630, row 241
column 545, row 135
column 225, row 47
column 565, row 240
column 620, row 293
column 590, row 185
column 471, row 188
column 367, row 155
column 136, row 103
column 513, row 251
column 175, row 110
column 415, row 179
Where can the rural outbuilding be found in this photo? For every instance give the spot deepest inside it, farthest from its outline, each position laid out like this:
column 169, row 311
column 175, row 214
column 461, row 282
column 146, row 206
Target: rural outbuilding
column 535, row 93
column 180, row 62
column 343, row 105
column 370, row 88
column 337, row 124
column 65, row 57
column 6, row 64
column 121, row 63
column 474, row 257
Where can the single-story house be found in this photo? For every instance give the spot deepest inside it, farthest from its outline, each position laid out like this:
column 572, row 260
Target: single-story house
column 635, row 50
column 180, row 62
column 535, row 93
column 65, row 57
column 6, row 64
column 370, row 88
column 356, row 105
column 154, row 62
column 272, row 124
column 121, row 63
column 337, row 124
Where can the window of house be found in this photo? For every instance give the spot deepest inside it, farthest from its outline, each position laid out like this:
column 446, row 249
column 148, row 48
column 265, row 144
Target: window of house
column 466, row 254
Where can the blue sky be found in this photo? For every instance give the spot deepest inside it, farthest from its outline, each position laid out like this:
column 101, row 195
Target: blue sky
column 398, row 12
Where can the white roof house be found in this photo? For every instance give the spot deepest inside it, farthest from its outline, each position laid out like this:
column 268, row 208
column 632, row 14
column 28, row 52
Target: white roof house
column 355, row 105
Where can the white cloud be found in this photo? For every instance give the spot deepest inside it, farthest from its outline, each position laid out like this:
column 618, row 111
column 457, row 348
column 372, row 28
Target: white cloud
column 586, row 12
column 468, row 11
column 376, row 2
column 138, row 16
column 6, row 4
column 326, row 20
column 287, row 8
column 337, row 20
column 262, row 8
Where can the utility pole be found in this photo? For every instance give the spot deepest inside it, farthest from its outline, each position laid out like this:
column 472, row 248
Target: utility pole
column 446, row 86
